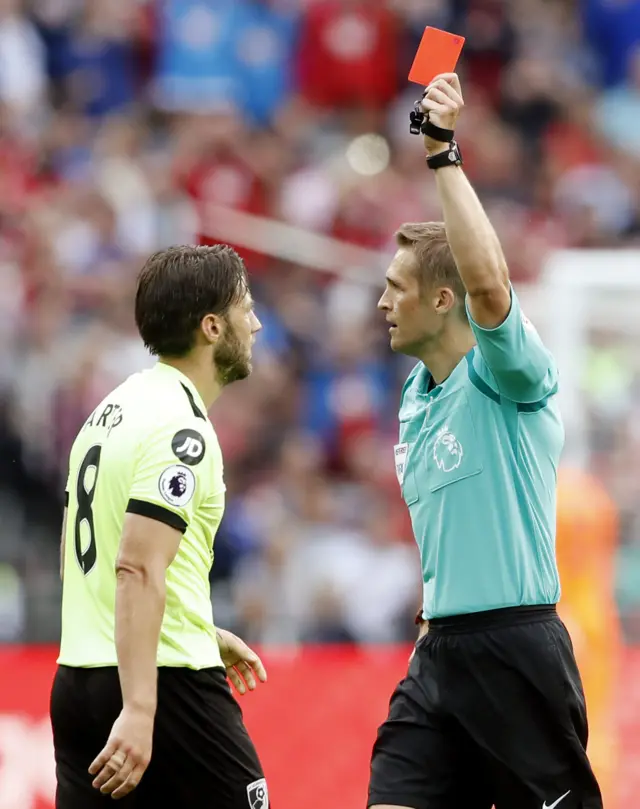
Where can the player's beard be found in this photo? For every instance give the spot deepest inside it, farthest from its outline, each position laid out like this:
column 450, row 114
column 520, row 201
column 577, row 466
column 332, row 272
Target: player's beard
column 232, row 359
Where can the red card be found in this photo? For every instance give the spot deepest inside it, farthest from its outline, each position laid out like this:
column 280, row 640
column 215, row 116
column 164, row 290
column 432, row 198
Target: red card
column 438, row 52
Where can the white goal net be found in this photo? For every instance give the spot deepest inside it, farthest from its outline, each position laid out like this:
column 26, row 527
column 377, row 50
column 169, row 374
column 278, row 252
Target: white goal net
column 587, row 308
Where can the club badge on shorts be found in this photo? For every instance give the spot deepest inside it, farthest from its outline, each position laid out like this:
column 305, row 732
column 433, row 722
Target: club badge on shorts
column 258, row 794
column 400, row 457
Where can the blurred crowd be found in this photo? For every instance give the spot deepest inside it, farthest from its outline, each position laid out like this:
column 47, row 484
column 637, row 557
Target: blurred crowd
column 129, row 125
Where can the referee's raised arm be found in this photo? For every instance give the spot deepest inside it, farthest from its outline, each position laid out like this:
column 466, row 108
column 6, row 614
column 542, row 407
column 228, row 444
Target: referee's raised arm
column 472, row 239
column 521, row 366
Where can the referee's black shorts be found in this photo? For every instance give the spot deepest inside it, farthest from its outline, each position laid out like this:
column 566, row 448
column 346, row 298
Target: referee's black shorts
column 202, row 754
column 491, row 712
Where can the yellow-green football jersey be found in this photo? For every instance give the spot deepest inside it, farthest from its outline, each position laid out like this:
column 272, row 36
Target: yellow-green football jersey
column 147, row 449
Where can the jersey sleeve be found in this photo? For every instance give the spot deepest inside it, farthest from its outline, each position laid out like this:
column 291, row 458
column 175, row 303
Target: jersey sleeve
column 522, row 367
column 171, row 476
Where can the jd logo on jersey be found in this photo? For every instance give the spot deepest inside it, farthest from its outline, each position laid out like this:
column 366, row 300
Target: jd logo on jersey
column 188, row 446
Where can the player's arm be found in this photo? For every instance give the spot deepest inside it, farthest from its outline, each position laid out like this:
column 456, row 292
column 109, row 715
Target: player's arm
column 63, row 529
column 167, row 484
column 162, row 496
column 63, row 536
column 522, row 366
column 423, row 629
column 147, row 548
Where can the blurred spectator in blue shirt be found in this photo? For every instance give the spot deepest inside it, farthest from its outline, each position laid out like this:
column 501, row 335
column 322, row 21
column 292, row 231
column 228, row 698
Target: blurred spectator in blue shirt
column 617, row 111
column 95, row 58
column 265, row 49
column 346, row 389
column 613, row 30
column 216, row 55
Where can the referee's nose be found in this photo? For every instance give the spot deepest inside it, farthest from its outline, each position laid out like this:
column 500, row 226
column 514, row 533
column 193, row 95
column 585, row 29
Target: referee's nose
column 384, row 304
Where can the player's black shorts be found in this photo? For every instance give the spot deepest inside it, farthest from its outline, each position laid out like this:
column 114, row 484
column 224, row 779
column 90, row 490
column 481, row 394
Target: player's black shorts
column 491, row 712
column 202, row 754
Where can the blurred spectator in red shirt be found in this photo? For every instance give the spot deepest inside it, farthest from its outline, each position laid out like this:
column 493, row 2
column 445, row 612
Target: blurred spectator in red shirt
column 348, row 54
column 218, row 164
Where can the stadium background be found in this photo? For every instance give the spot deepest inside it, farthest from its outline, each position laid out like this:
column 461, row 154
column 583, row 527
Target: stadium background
column 129, row 125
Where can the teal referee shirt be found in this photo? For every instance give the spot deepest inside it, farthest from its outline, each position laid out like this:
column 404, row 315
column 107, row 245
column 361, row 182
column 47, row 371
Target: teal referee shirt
column 477, row 461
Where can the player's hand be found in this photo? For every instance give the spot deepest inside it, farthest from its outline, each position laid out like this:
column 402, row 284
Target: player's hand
column 424, row 630
column 126, row 755
column 442, row 102
column 242, row 664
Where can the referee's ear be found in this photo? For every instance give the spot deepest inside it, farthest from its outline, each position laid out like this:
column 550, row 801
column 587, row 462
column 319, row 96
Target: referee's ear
column 444, row 300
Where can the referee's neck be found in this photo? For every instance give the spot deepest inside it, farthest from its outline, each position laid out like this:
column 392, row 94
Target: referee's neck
column 201, row 372
column 445, row 352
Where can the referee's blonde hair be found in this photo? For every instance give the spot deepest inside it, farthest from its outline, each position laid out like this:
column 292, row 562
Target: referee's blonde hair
column 434, row 259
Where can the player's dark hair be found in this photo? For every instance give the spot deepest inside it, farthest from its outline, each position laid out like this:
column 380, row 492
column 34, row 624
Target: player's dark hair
column 436, row 265
column 178, row 286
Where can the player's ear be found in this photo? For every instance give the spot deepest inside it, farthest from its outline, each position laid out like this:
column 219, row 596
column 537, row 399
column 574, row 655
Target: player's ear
column 212, row 326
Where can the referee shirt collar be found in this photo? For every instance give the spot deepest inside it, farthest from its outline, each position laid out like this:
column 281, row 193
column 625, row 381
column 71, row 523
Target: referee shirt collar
column 197, row 404
column 435, row 390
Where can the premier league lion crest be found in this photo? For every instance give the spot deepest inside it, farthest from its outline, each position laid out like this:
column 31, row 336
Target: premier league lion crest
column 177, row 485
column 447, row 451
column 258, row 794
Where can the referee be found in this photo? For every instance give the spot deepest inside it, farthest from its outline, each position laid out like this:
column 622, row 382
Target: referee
column 492, row 710
column 141, row 694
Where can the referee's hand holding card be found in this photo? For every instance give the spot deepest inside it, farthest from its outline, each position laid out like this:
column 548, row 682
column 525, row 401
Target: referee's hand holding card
column 442, row 102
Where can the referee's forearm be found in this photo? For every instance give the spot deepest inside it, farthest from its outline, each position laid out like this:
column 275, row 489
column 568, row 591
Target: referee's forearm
column 140, row 603
column 471, row 236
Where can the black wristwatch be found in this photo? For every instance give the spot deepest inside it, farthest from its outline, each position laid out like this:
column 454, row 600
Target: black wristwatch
column 452, row 157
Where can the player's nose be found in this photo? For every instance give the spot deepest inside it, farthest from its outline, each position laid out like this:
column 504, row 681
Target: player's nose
column 256, row 325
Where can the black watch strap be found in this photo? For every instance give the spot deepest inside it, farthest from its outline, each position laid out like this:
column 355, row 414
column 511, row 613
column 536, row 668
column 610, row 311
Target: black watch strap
column 436, row 132
column 419, row 124
column 452, row 157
